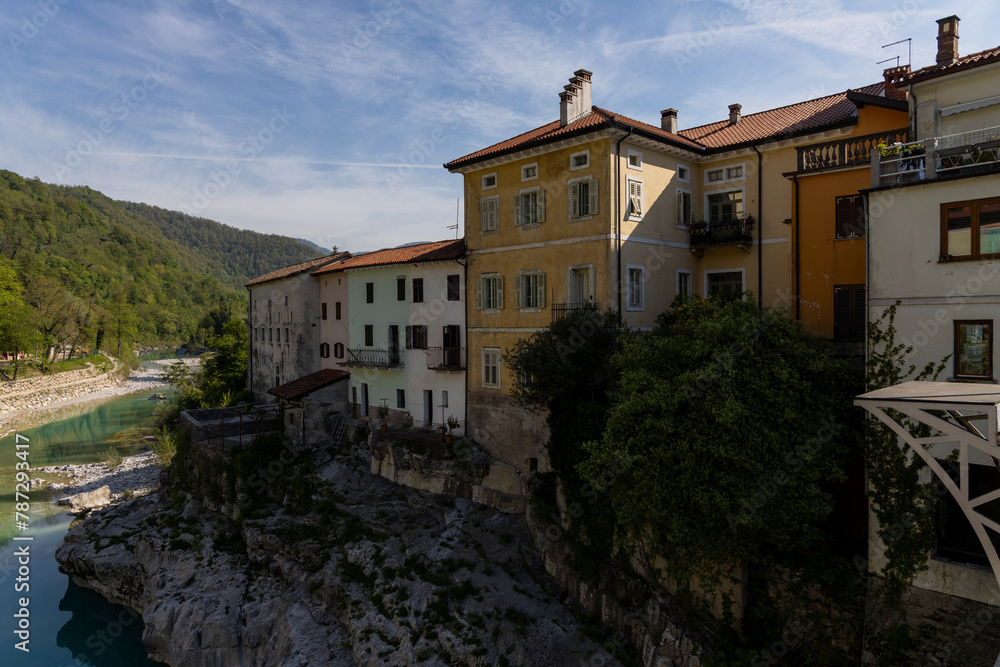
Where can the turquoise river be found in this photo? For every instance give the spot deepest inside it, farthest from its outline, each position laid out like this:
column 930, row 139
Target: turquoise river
column 64, row 624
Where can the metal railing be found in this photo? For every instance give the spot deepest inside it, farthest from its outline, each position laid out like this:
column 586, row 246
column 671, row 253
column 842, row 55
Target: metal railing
column 737, row 231
column 850, row 152
column 562, row 310
column 237, row 425
column 963, row 152
column 446, row 358
column 374, row 357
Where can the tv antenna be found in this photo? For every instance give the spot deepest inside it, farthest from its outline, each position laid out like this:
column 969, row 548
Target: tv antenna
column 909, row 52
column 458, row 213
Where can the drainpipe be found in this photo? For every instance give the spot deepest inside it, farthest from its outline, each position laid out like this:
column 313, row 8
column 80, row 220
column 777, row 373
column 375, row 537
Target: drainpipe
column 468, row 347
column 760, row 229
column 798, row 291
column 618, row 218
column 250, row 341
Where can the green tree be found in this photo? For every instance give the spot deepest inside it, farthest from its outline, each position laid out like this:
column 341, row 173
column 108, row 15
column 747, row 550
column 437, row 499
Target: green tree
column 54, row 315
column 726, row 423
column 224, row 374
column 18, row 335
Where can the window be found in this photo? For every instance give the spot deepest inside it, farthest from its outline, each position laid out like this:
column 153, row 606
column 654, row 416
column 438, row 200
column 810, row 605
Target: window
column 444, row 398
column 416, row 337
column 369, row 292
column 850, row 217
column 529, row 172
column 725, row 206
column 529, row 291
column 971, row 229
column 369, row 335
column 491, row 367
column 579, row 160
column 489, row 181
column 324, row 350
column 684, row 283
column 400, row 289
column 454, row 287
column 286, row 301
column 582, row 199
column 974, row 349
column 255, row 333
column 286, row 334
column 635, row 201
column 635, row 287
column 727, row 284
column 401, row 399
column 683, row 208
column 635, row 160
column 418, row 290
column 489, row 293
column 336, row 310
column 735, row 172
column 529, row 208
column 364, row 399
column 488, row 214
column 322, row 308
column 683, row 174
column 580, row 285
column 338, row 350
column 849, row 312
column 269, row 339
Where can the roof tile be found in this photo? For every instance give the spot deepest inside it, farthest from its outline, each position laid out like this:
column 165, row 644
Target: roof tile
column 422, row 252
column 968, row 62
column 301, row 267
column 296, row 389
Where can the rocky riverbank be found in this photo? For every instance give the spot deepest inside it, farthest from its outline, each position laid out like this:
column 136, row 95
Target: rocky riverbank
column 319, row 562
column 136, row 476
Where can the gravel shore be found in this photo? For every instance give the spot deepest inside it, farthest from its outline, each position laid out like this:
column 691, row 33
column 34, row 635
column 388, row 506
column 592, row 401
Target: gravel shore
column 139, row 474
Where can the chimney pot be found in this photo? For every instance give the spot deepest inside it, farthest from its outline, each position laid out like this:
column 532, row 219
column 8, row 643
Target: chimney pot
column 577, row 101
column 668, row 120
column 947, row 40
column 734, row 113
column 893, row 76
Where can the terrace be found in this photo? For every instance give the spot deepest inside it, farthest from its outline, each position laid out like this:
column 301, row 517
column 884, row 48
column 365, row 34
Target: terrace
column 974, row 152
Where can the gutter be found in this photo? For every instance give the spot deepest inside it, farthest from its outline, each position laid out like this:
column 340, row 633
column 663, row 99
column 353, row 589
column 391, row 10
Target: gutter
column 468, row 347
column 618, row 218
column 760, row 227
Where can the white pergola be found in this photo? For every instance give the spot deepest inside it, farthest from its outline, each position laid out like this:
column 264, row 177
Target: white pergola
column 970, row 427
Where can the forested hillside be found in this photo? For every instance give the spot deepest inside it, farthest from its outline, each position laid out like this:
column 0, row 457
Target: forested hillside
column 78, row 267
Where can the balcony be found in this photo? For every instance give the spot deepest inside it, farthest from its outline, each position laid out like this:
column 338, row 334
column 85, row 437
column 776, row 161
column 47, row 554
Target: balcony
column 445, row 358
column 850, row 152
column 964, row 153
column 564, row 310
column 737, row 232
column 373, row 357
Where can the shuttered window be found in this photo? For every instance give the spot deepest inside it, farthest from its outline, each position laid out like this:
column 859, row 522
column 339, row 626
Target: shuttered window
column 491, row 367
column 850, row 217
column 849, row 312
column 416, row 337
column 636, row 206
column 529, row 208
column 488, row 214
column 582, row 199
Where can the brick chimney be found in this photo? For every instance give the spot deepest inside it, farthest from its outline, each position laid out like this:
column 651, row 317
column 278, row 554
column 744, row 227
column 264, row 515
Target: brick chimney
column 668, row 120
column 893, row 76
column 734, row 113
column 947, row 40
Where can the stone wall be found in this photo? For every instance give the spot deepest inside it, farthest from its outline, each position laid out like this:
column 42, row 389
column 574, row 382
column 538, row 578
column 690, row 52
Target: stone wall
column 38, row 392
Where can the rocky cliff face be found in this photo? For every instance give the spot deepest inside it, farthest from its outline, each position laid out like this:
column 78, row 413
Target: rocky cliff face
column 354, row 570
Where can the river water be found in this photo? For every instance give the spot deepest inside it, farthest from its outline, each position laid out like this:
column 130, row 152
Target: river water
column 67, row 625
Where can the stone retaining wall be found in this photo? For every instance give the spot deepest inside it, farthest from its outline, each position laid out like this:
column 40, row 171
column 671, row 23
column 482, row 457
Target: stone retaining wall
column 39, row 392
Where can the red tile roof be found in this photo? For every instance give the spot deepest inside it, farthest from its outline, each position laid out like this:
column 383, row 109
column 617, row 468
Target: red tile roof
column 421, row 252
column 791, row 120
column 968, row 62
column 294, row 269
column 598, row 119
column 296, row 389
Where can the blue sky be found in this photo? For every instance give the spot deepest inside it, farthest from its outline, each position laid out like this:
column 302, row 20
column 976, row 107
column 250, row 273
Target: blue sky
column 330, row 120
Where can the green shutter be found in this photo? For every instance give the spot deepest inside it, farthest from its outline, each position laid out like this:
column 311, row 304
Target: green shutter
column 517, row 210
column 540, row 206
column 590, row 285
column 499, row 280
column 593, row 198
column 518, row 282
column 574, row 200
column 541, row 290
column 479, row 293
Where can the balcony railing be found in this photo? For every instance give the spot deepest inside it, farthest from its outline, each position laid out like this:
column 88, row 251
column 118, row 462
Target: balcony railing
column 374, row 357
column 445, row 358
column 562, row 310
column 738, row 232
column 972, row 152
column 850, row 152
column 847, row 348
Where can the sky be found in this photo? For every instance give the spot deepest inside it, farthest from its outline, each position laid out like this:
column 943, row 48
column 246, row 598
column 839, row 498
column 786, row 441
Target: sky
column 330, row 120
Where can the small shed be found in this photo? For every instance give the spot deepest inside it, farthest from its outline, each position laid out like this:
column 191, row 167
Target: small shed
column 311, row 405
column 961, row 416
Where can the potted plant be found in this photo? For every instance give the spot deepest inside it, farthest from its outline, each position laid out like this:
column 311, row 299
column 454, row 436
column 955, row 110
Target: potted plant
column 452, row 425
column 383, row 415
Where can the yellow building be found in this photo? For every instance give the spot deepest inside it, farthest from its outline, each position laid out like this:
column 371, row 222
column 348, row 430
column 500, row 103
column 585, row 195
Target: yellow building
column 599, row 208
